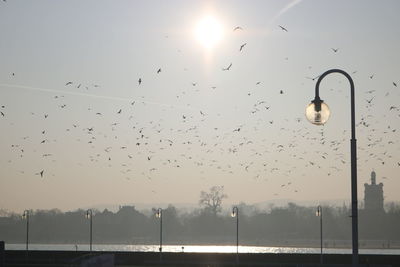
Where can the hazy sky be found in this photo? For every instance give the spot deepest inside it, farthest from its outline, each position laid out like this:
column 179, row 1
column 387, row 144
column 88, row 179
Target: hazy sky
column 72, row 105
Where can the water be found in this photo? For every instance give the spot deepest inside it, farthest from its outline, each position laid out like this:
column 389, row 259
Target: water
column 199, row 249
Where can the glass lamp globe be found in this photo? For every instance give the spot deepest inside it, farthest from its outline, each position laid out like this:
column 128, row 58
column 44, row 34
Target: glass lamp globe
column 315, row 116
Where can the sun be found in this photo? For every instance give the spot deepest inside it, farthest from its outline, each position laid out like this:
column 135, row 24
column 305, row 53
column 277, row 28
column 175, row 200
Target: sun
column 209, row 32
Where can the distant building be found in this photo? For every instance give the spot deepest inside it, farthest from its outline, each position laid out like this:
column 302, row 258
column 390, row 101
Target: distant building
column 373, row 196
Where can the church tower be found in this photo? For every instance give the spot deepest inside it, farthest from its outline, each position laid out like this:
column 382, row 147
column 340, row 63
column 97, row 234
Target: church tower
column 373, row 195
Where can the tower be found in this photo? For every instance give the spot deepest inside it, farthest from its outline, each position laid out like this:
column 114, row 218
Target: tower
column 373, row 196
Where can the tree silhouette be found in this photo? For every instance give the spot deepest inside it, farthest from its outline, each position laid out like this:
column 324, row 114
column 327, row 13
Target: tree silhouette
column 212, row 200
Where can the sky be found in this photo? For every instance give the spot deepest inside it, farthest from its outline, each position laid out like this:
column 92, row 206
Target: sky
column 121, row 102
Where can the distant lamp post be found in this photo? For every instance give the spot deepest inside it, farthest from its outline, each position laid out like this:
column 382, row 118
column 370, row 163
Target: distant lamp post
column 25, row 215
column 318, row 113
column 159, row 215
column 89, row 215
column 235, row 213
column 319, row 214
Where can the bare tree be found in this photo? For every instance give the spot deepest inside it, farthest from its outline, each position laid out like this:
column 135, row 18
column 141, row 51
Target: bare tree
column 212, row 200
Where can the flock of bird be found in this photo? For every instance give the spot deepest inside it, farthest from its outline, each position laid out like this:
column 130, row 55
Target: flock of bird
column 133, row 146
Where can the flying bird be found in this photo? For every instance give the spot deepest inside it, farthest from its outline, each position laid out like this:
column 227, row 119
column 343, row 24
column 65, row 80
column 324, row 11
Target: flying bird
column 68, row 83
column 395, row 84
column 40, row 173
column 119, row 111
column 227, row 68
column 237, row 28
column 242, row 46
column 313, row 78
column 335, row 50
column 159, row 70
column 369, row 101
column 283, row 28
column 140, row 81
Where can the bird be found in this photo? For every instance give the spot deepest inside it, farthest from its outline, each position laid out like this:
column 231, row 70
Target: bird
column 159, row 70
column 119, row 111
column 335, row 50
column 227, row 68
column 68, row 83
column 283, row 28
column 2, row 114
column 316, row 77
column 281, row 92
column 372, row 76
column 395, row 84
column 237, row 28
column 242, row 46
column 140, row 81
column 40, row 173
column 369, row 101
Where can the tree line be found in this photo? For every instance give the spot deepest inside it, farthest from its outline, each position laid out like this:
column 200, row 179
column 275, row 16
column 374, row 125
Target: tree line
column 208, row 224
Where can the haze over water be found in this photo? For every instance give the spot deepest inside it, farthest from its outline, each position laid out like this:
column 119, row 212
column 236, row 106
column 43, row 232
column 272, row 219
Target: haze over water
column 106, row 103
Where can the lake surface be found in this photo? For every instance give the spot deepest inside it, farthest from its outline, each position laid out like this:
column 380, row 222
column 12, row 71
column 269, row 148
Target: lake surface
column 200, row 249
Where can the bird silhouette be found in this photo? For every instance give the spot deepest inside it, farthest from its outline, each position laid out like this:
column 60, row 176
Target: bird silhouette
column 335, row 50
column 159, row 70
column 283, row 28
column 237, row 28
column 140, row 81
column 227, row 68
column 316, row 77
column 369, row 101
column 68, row 83
column 242, row 46
column 395, row 84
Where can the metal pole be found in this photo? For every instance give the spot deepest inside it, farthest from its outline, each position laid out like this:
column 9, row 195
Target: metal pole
column 91, row 230
column 237, row 236
column 89, row 215
column 353, row 149
column 161, row 217
column 235, row 213
column 320, row 222
column 27, row 231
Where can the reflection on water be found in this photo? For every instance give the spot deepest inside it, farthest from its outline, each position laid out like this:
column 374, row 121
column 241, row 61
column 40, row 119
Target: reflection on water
column 199, row 249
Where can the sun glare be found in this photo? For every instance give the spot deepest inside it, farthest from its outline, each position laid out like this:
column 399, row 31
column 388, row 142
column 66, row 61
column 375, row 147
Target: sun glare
column 209, row 32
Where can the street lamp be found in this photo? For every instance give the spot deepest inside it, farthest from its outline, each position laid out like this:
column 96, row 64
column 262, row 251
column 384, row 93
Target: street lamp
column 319, row 214
column 25, row 215
column 159, row 215
column 318, row 113
column 235, row 213
column 89, row 215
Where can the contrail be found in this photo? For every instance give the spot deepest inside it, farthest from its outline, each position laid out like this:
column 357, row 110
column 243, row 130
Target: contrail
column 285, row 9
column 90, row 95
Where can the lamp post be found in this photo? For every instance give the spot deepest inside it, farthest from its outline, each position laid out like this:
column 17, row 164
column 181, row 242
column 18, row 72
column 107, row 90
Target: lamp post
column 159, row 215
column 319, row 214
column 89, row 215
column 318, row 113
column 235, row 213
column 25, row 215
